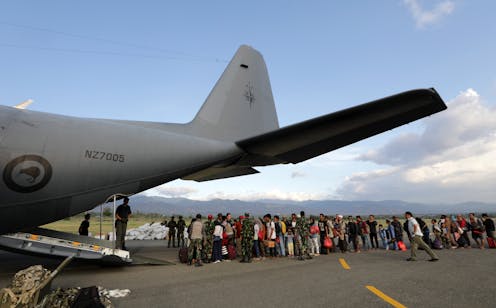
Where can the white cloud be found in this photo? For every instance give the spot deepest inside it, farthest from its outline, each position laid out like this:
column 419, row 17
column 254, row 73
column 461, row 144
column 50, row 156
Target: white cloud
column 171, row 191
column 425, row 17
column 453, row 160
column 274, row 194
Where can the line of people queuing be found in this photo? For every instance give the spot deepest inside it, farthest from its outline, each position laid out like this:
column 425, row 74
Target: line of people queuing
column 224, row 238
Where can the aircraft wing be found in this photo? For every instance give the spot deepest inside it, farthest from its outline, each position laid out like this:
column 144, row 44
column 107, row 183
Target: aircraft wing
column 216, row 173
column 302, row 141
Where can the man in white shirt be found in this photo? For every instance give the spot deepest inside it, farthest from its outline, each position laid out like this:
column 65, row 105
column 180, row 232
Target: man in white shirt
column 416, row 241
column 270, row 228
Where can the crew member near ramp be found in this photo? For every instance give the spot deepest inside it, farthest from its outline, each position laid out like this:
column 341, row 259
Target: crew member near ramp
column 416, row 241
column 85, row 225
column 122, row 215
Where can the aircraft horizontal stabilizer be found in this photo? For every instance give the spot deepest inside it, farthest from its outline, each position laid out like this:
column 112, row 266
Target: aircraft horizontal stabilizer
column 302, row 141
column 216, row 173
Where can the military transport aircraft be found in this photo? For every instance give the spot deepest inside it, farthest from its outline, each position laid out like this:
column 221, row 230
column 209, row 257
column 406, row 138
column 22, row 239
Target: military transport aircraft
column 56, row 166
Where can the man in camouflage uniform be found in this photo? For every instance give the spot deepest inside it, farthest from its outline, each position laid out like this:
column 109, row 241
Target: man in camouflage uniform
column 181, row 225
column 247, row 234
column 208, row 241
column 302, row 233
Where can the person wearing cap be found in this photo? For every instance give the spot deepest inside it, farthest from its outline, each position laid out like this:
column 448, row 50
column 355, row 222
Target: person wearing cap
column 122, row 214
column 417, row 241
column 181, row 225
column 208, row 240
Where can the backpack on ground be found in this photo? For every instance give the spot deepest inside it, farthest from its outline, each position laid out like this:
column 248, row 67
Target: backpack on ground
column 436, row 244
column 183, row 255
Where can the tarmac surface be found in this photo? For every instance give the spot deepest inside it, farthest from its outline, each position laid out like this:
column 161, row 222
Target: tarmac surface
column 462, row 278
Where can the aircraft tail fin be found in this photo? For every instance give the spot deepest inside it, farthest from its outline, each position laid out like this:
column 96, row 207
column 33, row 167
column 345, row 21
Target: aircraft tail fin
column 241, row 104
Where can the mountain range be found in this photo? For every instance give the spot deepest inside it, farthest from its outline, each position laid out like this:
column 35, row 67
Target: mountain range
column 188, row 207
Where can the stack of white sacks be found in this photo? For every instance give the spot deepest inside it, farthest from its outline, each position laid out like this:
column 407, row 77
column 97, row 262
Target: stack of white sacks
column 151, row 231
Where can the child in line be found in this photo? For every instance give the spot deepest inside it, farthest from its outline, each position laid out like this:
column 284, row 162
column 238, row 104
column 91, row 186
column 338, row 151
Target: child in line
column 290, row 239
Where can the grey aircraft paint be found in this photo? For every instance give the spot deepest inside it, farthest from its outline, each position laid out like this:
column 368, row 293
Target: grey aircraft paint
column 55, row 166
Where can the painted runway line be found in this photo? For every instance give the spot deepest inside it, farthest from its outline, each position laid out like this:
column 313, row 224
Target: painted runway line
column 344, row 264
column 385, row 298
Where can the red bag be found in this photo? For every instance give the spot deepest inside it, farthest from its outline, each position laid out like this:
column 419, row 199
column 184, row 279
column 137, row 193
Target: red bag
column 231, row 252
column 261, row 234
column 401, row 246
column 314, row 229
column 327, row 242
column 491, row 243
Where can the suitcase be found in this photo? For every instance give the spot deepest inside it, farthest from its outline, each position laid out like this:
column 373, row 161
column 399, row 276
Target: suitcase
column 491, row 242
column 231, row 251
column 183, row 255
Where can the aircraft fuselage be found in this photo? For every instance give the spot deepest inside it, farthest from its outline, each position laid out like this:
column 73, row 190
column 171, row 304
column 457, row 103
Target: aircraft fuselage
column 56, row 166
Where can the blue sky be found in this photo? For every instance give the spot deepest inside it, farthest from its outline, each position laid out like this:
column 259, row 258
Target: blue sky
column 157, row 61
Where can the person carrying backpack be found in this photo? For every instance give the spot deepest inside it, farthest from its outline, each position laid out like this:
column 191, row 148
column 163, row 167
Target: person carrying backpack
column 425, row 231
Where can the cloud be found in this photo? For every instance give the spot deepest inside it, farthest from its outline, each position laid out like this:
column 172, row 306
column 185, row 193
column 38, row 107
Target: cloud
column 274, row 194
column 297, row 174
column 453, row 160
column 171, row 191
column 425, row 17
